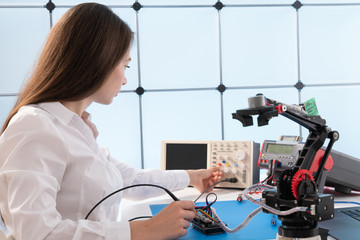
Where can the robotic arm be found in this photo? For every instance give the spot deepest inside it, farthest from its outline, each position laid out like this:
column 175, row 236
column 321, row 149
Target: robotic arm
column 297, row 186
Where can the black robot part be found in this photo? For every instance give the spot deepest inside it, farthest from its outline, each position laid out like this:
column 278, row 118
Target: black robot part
column 293, row 190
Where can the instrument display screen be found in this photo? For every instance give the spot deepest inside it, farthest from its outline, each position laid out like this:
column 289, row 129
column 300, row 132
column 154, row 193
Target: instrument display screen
column 279, row 148
column 186, row 156
column 289, row 138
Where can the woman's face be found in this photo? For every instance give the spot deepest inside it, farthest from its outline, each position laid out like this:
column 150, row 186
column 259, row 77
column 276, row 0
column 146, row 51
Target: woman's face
column 113, row 83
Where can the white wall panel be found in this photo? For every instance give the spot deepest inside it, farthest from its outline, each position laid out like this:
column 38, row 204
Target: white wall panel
column 119, row 127
column 193, row 115
column 329, row 44
column 259, row 46
column 23, row 32
column 179, row 48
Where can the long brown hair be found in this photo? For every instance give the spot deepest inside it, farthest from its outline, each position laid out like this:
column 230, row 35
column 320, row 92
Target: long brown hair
column 82, row 49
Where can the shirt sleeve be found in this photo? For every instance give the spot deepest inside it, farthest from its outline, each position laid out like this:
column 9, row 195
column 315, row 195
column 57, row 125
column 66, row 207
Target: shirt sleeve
column 33, row 164
column 171, row 179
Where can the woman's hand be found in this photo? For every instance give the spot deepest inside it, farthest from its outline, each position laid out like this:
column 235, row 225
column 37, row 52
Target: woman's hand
column 204, row 178
column 85, row 116
column 169, row 223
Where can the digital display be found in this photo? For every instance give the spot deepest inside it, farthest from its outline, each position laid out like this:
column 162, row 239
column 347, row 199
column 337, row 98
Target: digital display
column 280, row 148
column 186, row 156
column 289, row 138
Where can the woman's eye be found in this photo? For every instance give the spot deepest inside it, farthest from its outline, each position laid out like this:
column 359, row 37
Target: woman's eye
column 127, row 66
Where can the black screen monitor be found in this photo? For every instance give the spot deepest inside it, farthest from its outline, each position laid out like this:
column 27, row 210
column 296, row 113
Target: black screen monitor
column 186, row 156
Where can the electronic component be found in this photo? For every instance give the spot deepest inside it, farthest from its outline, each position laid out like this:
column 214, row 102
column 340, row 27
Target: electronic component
column 289, row 138
column 204, row 221
column 207, row 226
column 236, row 159
column 284, row 152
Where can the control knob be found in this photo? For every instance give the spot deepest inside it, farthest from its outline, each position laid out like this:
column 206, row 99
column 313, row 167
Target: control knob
column 240, row 155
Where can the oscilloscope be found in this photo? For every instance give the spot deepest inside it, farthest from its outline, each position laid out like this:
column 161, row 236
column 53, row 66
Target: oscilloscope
column 237, row 159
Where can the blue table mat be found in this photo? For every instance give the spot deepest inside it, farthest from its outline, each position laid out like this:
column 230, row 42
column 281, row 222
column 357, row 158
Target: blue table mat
column 233, row 213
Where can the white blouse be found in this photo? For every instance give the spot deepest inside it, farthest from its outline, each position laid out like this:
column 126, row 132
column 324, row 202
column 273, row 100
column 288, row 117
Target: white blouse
column 53, row 172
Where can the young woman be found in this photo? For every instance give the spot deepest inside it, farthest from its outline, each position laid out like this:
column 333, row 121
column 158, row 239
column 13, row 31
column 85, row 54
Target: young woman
column 52, row 170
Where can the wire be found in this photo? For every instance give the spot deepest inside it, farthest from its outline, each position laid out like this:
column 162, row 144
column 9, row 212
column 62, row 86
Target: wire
column 207, row 208
column 136, row 218
column 247, row 195
column 240, row 226
column 208, row 205
column 136, row 185
column 270, row 176
column 207, row 201
column 207, row 215
column 208, row 189
column 231, row 180
column 267, row 178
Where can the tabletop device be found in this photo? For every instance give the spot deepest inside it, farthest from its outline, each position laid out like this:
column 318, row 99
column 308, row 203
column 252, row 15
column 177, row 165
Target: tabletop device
column 296, row 198
column 237, row 159
column 343, row 170
column 344, row 175
column 279, row 155
column 345, row 225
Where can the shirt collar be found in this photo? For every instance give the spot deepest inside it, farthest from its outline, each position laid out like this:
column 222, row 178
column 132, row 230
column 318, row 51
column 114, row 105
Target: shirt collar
column 59, row 111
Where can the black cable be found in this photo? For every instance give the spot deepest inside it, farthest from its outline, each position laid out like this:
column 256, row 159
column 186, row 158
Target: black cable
column 231, row 180
column 208, row 205
column 136, row 218
column 207, row 201
column 136, row 185
column 208, row 189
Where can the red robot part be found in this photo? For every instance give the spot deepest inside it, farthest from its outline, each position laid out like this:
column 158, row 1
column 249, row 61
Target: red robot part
column 299, row 176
